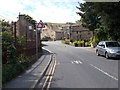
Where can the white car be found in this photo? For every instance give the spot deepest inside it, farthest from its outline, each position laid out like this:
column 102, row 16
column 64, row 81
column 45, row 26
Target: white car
column 108, row 49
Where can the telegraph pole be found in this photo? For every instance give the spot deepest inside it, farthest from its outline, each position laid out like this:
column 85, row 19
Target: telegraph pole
column 36, row 42
column 14, row 30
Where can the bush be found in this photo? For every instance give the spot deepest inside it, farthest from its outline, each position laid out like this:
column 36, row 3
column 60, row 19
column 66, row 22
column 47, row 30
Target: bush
column 8, row 46
column 88, row 43
column 71, row 40
column 11, row 70
column 79, row 43
column 46, row 38
column 67, row 41
column 71, row 43
column 20, row 41
column 93, row 44
column 75, row 44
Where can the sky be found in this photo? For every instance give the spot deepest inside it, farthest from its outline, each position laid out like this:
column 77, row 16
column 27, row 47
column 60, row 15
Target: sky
column 55, row 11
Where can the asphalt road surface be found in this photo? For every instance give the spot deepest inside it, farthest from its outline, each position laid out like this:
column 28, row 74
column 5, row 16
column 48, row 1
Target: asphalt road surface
column 80, row 67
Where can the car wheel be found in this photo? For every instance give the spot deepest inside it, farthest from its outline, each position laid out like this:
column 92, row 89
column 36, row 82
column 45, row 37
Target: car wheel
column 106, row 55
column 97, row 53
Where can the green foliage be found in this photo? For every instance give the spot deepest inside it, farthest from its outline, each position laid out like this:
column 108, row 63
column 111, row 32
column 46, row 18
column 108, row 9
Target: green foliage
column 14, row 65
column 46, row 38
column 78, row 42
column 71, row 43
column 67, row 41
column 89, row 17
column 11, row 70
column 7, row 39
column 71, row 40
column 4, row 25
column 88, row 43
column 31, row 20
column 8, row 45
column 20, row 41
column 98, row 18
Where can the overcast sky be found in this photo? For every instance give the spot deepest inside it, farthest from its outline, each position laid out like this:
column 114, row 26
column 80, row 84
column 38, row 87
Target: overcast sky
column 56, row 11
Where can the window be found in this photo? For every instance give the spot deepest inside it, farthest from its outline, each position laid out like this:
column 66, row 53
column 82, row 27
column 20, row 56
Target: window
column 112, row 44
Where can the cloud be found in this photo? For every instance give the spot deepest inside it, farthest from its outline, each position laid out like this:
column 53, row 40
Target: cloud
column 59, row 11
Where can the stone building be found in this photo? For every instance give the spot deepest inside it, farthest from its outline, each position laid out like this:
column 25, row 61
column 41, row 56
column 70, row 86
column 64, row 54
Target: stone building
column 76, row 32
column 25, row 29
column 52, row 31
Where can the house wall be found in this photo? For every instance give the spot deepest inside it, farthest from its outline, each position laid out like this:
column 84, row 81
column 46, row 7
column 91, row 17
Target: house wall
column 59, row 36
column 52, row 33
column 22, row 28
column 48, row 33
column 77, row 32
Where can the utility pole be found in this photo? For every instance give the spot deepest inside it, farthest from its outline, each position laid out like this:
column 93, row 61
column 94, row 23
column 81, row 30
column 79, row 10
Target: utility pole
column 39, row 25
column 36, row 42
column 14, row 30
column 26, row 36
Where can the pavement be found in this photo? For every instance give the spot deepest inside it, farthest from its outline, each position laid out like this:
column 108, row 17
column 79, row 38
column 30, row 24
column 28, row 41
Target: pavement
column 33, row 74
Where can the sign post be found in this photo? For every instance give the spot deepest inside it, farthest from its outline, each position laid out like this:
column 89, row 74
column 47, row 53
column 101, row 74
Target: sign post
column 39, row 25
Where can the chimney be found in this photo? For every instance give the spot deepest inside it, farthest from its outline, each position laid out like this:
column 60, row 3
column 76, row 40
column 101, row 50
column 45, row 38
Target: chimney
column 21, row 17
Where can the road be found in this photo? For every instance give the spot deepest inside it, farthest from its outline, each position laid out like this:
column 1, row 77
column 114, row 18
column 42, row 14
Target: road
column 80, row 67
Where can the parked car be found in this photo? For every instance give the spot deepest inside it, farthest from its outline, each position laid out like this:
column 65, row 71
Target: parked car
column 108, row 49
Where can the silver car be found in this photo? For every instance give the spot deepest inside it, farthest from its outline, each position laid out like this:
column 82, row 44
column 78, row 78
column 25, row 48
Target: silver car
column 108, row 49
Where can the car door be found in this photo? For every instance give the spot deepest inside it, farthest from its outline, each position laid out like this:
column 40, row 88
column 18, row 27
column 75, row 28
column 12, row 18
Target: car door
column 100, row 48
column 103, row 50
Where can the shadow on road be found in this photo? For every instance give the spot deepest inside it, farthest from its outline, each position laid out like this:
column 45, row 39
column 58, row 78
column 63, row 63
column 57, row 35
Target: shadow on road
column 44, row 45
column 110, row 58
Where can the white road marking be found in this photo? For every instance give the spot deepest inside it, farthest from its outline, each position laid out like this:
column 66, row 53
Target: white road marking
column 80, row 62
column 76, row 62
column 104, row 72
column 72, row 62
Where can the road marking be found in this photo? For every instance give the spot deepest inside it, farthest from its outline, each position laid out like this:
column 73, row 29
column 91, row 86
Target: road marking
column 76, row 62
column 47, row 50
column 39, row 78
column 72, row 62
column 53, row 71
column 80, row 62
column 104, row 72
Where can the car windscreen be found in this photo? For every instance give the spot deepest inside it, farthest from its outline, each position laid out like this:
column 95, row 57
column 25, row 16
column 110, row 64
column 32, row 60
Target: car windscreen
column 112, row 44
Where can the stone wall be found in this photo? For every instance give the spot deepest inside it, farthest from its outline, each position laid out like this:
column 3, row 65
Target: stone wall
column 22, row 29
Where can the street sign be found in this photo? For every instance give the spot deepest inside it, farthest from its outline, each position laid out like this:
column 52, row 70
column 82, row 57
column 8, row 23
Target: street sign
column 30, row 27
column 41, row 24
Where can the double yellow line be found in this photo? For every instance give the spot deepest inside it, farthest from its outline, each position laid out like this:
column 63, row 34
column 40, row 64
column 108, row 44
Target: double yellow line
column 48, row 71
column 51, row 71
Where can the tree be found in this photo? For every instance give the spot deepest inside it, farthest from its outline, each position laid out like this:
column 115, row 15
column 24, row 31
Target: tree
column 101, row 18
column 4, row 25
column 30, row 20
column 89, row 18
column 110, row 18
